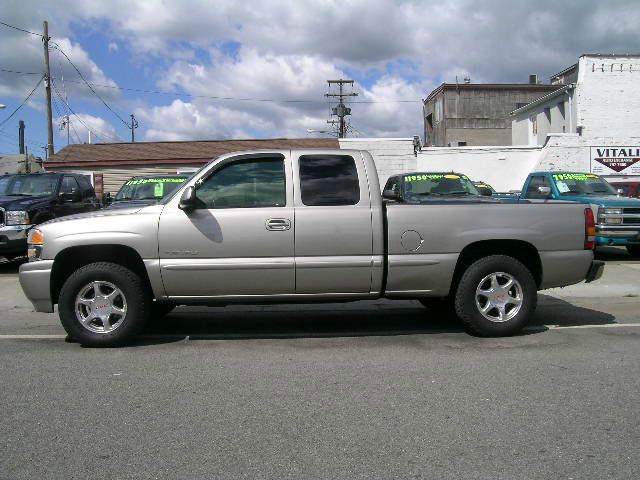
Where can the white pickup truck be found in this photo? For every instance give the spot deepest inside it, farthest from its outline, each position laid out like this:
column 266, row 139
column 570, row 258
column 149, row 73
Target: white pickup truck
column 305, row 226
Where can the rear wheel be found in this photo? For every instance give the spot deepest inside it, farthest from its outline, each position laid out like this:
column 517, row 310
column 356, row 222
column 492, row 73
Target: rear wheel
column 634, row 250
column 103, row 304
column 496, row 296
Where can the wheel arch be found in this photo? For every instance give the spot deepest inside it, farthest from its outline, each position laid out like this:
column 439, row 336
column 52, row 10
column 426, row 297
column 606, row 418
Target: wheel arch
column 71, row 259
column 521, row 250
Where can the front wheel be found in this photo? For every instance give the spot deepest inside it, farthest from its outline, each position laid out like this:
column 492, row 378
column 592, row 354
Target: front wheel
column 634, row 250
column 496, row 296
column 103, row 304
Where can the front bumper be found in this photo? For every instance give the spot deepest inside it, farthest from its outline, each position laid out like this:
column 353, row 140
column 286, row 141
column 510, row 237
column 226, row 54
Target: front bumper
column 13, row 239
column 35, row 279
column 617, row 234
column 595, row 271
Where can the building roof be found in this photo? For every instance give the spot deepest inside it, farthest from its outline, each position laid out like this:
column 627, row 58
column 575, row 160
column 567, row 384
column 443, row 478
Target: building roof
column 490, row 86
column 544, row 99
column 200, row 151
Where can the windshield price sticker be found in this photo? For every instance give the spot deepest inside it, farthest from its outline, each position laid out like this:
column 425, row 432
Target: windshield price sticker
column 155, row 180
column 420, row 177
column 580, row 177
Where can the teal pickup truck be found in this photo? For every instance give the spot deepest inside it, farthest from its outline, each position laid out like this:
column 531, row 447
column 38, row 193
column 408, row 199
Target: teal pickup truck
column 617, row 218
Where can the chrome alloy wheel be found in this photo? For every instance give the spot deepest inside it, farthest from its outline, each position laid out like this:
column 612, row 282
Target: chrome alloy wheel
column 101, row 307
column 499, row 297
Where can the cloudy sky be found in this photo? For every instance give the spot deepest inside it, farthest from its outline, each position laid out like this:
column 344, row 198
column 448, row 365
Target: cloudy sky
column 214, row 69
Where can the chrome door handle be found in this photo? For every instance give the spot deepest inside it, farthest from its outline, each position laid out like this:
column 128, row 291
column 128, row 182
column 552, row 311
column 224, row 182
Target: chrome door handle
column 278, row 224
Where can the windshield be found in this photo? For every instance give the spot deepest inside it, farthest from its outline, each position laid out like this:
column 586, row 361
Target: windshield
column 427, row 184
column 148, row 188
column 582, row 184
column 28, row 185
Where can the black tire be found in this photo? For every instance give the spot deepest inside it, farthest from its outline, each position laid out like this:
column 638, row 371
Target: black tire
column 160, row 310
column 634, row 250
column 501, row 268
column 133, row 296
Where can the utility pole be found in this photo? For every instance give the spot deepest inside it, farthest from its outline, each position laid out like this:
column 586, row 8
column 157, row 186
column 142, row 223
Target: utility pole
column 134, row 125
column 47, row 87
column 340, row 110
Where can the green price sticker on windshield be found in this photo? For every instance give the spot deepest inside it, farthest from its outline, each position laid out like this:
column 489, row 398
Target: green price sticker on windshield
column 420, row 177
column 579, row 177
column 158, row 190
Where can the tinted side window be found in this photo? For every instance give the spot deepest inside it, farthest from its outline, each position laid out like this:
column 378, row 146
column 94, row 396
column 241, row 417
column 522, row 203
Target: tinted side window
column 245, row 184
column 328, row 180
column 538, row 181
column 85, row 187
column 69, row 185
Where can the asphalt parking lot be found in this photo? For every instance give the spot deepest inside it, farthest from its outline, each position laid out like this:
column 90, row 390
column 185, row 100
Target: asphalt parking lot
column 362, row 390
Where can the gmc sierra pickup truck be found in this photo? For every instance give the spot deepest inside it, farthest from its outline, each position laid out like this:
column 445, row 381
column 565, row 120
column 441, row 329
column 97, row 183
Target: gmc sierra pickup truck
column 304, row 226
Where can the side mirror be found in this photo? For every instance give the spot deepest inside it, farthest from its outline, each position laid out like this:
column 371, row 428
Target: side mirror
column 544, row 190
column 390, row 195
column 188, row 199
column 106, row 198
column 620, row 192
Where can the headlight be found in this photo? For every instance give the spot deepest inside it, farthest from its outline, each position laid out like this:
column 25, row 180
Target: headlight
column 613, row 211
column 16, row 217
column 36, row 242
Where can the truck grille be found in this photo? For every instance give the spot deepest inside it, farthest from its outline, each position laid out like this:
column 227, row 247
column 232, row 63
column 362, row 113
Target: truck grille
column 633, row 217
column 1, row 217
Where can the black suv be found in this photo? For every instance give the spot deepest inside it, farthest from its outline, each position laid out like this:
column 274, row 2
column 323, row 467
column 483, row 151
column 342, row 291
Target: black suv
column 32, row 198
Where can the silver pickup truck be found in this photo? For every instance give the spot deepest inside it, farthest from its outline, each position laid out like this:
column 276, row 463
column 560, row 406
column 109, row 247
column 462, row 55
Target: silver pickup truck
column 303, row 226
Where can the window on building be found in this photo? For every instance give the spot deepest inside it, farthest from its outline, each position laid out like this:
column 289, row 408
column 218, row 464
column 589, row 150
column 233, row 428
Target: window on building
column 328, row 180
column 245, row 184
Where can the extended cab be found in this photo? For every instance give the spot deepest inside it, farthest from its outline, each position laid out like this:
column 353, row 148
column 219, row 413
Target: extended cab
column 303, row 226
column 617, row 218
column 32, row 198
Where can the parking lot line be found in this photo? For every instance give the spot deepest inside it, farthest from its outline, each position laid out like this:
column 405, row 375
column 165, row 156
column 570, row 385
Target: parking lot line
column 204, row 336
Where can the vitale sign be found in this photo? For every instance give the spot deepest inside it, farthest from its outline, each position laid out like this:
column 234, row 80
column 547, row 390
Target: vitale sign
column 615, row 160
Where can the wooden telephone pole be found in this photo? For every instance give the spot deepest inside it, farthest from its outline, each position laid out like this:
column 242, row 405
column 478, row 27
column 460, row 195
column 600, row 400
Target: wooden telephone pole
column 47, row 87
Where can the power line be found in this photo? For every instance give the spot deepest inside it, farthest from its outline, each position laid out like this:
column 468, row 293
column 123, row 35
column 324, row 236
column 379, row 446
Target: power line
column 21, row 73
column 23, row 102
column 21, row 29
column 213, row 97
column 94, row 131
column 58, row 48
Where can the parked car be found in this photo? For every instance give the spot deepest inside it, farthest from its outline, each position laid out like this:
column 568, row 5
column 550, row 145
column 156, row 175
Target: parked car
column 305, row 226
column 32, row 198
column 629, row 189
column 485, row 189
column 419, row 187
column 146, row 190
column 617, row 218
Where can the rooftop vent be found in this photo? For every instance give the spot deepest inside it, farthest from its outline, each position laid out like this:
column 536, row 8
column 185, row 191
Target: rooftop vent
column 533, row 79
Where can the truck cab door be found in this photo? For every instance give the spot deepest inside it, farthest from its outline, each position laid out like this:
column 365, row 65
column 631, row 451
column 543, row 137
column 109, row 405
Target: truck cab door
column 238, row 241
column 334, row 233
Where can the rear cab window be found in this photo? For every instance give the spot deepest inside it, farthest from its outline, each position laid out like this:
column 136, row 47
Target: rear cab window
column 328, row 180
